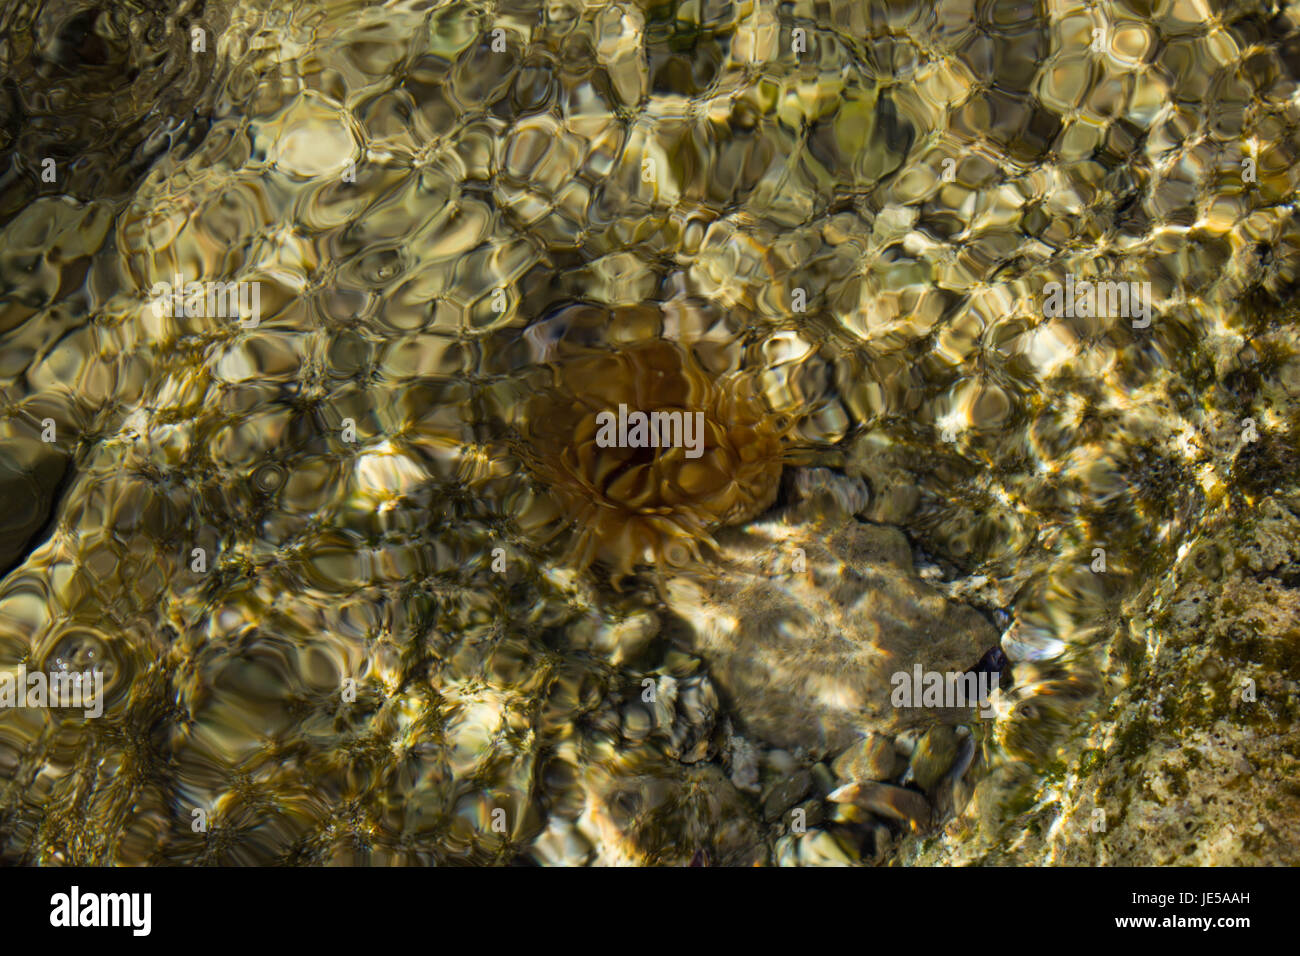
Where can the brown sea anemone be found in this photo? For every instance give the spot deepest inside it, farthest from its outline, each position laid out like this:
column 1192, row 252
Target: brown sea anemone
column 658, row 505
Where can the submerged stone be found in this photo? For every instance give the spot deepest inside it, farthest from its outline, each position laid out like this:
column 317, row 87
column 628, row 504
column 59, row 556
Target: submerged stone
column 806, row 658
column 30, row 473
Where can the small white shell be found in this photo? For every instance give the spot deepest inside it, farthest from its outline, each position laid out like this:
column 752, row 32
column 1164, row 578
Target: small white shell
column 1027, row 642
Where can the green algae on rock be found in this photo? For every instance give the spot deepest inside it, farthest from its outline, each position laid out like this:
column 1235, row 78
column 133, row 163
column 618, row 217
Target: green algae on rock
column 1193, row 760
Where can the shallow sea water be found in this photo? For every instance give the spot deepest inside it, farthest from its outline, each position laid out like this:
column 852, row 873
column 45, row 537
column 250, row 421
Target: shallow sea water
column 363, row 590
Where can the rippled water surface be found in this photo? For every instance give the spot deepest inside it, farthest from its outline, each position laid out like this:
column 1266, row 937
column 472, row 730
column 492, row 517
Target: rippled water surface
column 364, row 587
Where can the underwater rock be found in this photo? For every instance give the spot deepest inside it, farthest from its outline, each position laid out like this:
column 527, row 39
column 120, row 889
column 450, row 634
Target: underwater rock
column 935, row 754
column 1193, row 761
column 684, row 713
column 30, row 472
column 872, row 758
column 785, row 793
column 742, row 759
column 665, row 819
column 805, row 658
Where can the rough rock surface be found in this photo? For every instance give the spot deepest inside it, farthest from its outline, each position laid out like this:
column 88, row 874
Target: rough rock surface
column 1194, row 760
